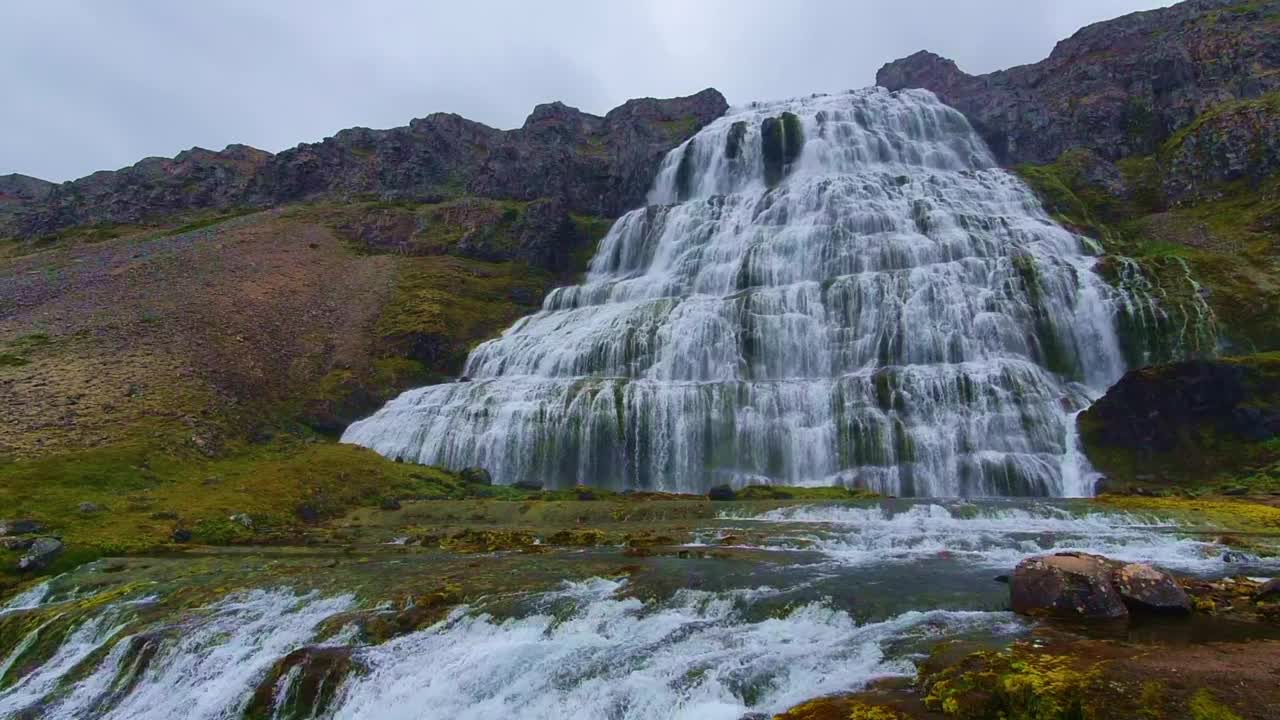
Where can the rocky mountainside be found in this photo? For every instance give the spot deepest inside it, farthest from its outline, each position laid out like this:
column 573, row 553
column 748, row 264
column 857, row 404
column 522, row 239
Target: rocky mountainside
column 593, row 165
column 1120, row 87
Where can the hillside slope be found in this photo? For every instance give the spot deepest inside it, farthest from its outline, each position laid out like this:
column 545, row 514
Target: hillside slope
column 182, row 341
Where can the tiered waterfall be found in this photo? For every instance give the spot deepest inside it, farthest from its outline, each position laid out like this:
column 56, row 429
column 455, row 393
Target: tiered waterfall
column 839, row 289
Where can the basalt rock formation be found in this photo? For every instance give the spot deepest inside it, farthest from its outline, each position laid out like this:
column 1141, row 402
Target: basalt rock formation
column 592, row 165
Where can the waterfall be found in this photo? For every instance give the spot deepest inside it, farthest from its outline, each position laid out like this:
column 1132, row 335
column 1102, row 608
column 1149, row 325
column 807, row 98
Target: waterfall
column 837, row 289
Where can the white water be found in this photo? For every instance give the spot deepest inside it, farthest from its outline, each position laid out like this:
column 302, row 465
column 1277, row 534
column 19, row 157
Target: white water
column 897, row 313
column 620, row 658
column 983, row 536
column 595, row 650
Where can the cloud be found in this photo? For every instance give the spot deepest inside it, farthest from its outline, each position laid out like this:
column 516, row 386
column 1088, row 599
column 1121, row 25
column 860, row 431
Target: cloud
column 96, row 85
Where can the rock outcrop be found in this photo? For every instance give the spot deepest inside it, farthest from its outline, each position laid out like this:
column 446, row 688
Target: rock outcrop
column 588, row 164
column 1186, row 422
column 1120, row 87
column 193, row 180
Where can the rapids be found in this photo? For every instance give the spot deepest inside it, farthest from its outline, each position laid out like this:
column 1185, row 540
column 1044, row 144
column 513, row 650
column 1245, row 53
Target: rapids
column 819, row 599
column 837, row 289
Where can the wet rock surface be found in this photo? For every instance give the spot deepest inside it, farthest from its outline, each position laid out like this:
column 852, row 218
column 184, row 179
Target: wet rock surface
column 1146, row 589
column 1071, row 584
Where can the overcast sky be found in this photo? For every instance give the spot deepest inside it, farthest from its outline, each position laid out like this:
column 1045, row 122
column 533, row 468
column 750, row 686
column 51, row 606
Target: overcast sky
column 97, row 84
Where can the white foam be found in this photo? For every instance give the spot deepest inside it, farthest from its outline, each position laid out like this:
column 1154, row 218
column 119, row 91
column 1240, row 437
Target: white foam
column 990, row 537
column 617, row 657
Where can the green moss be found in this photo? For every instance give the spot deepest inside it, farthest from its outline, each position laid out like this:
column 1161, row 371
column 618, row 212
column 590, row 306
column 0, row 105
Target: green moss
column 446, row 305
column 1196, row 272
column 1224, row 513
column 1014, row 684
column 282, row 486
column 681, row 127
column 1203, row 706
column 782, row 492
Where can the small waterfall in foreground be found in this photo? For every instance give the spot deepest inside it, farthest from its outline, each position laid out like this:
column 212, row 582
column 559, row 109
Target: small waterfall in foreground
column 841, row 289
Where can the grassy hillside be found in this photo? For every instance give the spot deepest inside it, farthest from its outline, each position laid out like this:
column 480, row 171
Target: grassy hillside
column 175, row 376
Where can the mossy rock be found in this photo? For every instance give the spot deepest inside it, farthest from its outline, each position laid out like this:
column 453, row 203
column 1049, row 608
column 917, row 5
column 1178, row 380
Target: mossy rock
column 1200, row 424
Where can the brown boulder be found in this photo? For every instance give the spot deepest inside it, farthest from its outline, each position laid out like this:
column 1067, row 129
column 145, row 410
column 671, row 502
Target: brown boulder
column 1144, row 588
column 1067, row 584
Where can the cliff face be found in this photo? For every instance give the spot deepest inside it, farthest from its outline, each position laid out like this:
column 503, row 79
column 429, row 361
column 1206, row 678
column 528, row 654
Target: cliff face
column 1120, row 87
column 594, row 165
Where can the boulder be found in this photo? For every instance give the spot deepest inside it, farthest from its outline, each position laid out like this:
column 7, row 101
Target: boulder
column 24, row 526
column 89, row 508
column 41, row 553
column 1144, row 588
column 1066, row 584
column 181, row 535
column 390, row 504
column 530, row 485
column 1269, row 592
column 477, row 476
column 721, row 493
column 243, row 520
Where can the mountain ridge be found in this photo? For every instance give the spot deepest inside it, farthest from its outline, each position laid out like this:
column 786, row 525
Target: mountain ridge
column 598, row 164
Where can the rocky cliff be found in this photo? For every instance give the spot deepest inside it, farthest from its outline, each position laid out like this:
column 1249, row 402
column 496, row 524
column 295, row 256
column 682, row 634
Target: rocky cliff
column 590, row 164
column 1120, row 87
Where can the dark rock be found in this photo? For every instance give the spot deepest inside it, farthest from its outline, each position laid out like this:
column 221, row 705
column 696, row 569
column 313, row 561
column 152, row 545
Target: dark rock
column 1068, row 584
column 721, row 493
column 1183, row 421
column 1002, row 579
column 1119, row 87
column 24, row 526
column 733, row 141
column 1234, row 556
column 582, row 492
column 390, row 504
column 307, row 513
column 475, row 476
column 89, row 508
column 181, row 535
column 527, row 485
column 594, row 165
column 1235, row 490
column 319, row 671
column 41, row 553
column 1145, row 588
column 243, row 520
column 1269, row 592
column 1105, row 486
column 782, row 139
column 164, row 515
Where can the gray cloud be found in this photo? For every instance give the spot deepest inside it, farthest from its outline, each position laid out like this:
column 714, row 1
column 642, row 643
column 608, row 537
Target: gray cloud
column 98, row 85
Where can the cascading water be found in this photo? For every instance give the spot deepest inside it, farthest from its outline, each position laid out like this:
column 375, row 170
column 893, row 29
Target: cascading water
column 837, row 596
column 836, row 289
